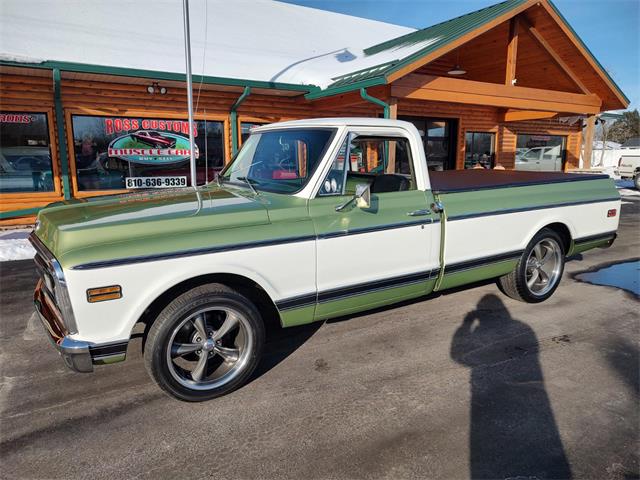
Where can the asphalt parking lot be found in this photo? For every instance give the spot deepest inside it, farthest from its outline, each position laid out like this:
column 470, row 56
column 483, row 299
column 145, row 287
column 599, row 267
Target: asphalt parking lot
column 466, row 384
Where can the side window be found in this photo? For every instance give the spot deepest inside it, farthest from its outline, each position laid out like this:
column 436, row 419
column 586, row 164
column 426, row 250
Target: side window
column 382, row 162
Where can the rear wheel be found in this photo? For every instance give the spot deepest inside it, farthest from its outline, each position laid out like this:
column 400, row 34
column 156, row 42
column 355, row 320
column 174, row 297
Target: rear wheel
column 205, row 343
column 636, row 181
column 539, row 270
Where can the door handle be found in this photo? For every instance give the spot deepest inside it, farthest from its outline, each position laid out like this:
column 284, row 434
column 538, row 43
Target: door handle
column 418, row 213
column 437, row 207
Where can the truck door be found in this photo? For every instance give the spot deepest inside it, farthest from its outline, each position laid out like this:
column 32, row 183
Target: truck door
column 376, row 252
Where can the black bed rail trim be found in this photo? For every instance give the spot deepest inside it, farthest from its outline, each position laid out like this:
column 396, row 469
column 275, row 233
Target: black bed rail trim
column 526, row 209
column 546, row 181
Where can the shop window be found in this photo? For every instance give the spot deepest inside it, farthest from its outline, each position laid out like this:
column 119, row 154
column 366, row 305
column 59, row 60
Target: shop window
column 113, row 153
column 479, row 150
column 25, row 153
column 540, row 152
column 439, row 137
column 245, row 129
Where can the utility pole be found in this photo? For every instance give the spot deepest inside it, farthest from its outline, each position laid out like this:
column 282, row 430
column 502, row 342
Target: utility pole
column 187, row 56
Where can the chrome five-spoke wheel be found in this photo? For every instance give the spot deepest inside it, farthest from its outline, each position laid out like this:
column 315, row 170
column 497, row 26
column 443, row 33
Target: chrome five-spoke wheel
column 543, row 268
column 205, row 343
column 208, row 348
column 539, row 270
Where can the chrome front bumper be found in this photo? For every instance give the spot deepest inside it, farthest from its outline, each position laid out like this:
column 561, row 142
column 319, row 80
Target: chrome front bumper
column 76, row 354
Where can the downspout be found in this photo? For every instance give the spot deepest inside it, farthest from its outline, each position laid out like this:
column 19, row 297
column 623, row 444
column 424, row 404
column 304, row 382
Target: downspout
column 62, row 141
column 387, row 110
column 234, row 119
column 377, row 101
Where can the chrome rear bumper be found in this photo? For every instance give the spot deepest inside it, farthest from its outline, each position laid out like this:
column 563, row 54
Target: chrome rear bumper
column 76, row 354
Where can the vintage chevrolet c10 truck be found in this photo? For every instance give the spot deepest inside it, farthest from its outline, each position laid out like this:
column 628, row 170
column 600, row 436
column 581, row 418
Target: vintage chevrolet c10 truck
column 312, row 219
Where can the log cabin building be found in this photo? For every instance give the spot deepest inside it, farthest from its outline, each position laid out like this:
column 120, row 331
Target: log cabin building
column 510, row 85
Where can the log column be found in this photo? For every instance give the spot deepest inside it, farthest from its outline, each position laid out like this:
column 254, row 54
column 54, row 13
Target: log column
column 588, row 142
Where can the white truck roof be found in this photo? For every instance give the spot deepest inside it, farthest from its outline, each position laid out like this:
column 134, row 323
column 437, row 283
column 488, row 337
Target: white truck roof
column 337, row 122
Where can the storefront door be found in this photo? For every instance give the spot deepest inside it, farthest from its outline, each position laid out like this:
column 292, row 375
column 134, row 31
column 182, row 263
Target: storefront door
column 439, row 140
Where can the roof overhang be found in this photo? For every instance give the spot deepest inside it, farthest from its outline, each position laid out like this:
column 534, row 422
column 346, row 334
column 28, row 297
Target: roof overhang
column 158, row 75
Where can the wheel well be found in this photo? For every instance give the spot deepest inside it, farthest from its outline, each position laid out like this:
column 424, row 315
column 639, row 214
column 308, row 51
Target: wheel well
column 562, row 230
column 242, row 285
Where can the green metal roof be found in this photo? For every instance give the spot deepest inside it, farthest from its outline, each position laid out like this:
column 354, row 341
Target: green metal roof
column 430, row 39
column 362, row 75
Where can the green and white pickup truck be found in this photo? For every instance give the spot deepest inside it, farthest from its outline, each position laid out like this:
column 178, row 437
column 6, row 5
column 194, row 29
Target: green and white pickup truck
column 312, row 219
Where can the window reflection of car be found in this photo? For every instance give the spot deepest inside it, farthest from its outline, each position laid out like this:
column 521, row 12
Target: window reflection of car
column 25, row 169
column 103, row 173
column 153, row 139
column 540, row 158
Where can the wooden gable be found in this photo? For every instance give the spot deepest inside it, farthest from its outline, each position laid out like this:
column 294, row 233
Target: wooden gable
column 548, row 56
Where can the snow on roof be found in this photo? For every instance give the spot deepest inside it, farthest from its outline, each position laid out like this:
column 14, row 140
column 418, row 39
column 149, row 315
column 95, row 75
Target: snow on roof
column 245, row 39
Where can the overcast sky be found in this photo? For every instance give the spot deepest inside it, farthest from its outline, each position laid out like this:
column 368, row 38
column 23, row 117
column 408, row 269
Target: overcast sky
column 610, row 28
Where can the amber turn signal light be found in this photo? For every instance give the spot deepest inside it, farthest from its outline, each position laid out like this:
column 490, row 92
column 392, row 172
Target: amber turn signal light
column 612, row 212
column 101, row 294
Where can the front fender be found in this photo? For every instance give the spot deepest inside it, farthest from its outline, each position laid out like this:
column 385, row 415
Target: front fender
column 283, row 271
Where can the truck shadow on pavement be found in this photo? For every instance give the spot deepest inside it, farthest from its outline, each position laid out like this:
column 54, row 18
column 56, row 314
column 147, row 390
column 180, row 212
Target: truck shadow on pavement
column 513, row 433
column 281, row 343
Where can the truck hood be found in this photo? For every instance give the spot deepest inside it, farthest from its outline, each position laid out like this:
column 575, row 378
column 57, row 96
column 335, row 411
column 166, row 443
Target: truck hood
column 138, row 223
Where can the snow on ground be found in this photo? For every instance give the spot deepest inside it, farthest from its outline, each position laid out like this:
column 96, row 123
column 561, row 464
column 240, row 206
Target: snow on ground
column 14, row 245
column 626, row 188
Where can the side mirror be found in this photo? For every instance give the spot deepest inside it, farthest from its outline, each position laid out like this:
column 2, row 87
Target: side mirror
column 362, row 197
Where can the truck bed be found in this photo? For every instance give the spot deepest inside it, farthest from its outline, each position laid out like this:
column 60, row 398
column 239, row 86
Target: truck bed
column 469, row 180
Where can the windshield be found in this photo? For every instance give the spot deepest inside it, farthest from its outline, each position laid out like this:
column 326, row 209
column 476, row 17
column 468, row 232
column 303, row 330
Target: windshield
column 280, row 161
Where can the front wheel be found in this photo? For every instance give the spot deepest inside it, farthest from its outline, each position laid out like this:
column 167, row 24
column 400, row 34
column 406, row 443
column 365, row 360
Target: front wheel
column 205, row 343
column 539, row 270
column 636, row 181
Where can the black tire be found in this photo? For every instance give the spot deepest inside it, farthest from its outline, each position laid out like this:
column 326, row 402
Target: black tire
column 514, row 284
column 176, row 319
column 636, row 181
